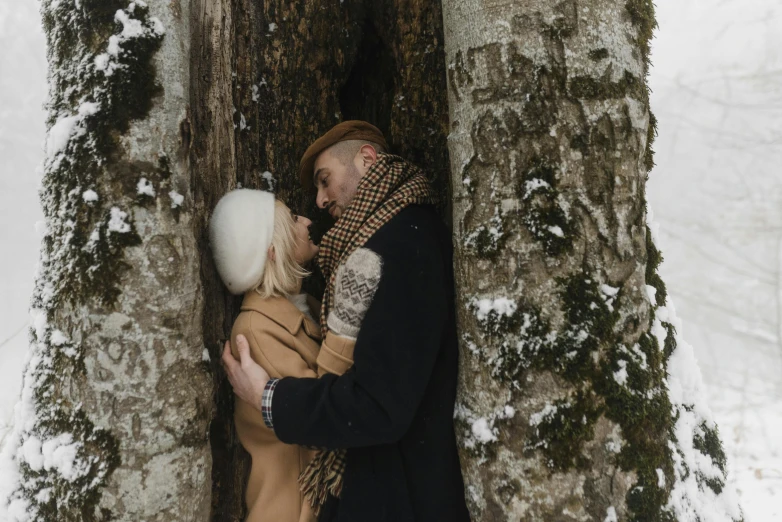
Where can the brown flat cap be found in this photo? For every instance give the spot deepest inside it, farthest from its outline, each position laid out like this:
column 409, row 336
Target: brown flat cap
column 347, row 130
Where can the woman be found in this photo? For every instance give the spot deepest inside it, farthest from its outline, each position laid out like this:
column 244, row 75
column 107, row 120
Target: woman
column 260, row 249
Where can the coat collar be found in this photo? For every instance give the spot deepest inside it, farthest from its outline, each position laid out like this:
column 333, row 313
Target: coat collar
column 281, row 311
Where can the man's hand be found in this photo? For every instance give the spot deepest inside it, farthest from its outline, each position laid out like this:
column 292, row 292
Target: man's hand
column 247, row 378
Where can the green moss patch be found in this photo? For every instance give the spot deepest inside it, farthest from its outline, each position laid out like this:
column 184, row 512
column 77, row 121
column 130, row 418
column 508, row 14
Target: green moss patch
column 561, row 430
column 598, row 54
column 653, row 260
column 588, row 88
column 542, row 214
column 486, row 241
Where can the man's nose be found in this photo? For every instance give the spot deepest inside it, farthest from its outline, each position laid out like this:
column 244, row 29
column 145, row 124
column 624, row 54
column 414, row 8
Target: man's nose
column 320, row 199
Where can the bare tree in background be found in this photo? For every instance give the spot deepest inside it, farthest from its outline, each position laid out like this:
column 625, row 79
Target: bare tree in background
column 735, row 115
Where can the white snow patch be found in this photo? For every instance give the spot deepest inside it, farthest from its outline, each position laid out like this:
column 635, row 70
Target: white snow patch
column 609, row 295
column 58, row 453
column 638, row 354
column 502, row 306
column 482, row 428
column 131, row 28
column 58, row 338
column 66, row 127
column 482, row 431
column 651, row 293
column 556, row 230
column 548, row 412
column 89, row 196
column 269, row 178
column 145, row 188
column 39, row 322
column 620, row 376
column 117, row 222
column 534, row 184
column 176, row 199
column 59, row 134
column 611, row 515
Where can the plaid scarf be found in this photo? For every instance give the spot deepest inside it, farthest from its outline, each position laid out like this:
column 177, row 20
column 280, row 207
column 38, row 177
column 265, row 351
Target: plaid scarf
column 389, row 185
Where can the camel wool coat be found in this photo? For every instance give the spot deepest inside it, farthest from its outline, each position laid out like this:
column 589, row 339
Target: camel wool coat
column 286, row 343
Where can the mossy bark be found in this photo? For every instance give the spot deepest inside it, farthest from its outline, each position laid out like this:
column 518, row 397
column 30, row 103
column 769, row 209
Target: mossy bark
column 564, row 410
column 116, row 404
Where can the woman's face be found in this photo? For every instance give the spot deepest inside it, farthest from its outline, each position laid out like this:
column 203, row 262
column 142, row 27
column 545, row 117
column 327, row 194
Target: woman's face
column 305, row 250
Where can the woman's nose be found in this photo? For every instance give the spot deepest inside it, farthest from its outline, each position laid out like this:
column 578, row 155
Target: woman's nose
column 307, row 222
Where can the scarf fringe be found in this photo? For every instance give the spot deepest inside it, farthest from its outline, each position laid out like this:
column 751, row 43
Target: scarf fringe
column 322, row 477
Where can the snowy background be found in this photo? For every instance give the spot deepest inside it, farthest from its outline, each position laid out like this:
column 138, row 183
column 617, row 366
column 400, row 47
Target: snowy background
column 716, row 194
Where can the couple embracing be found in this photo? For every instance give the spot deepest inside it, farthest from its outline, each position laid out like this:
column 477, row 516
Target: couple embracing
column 345, row 406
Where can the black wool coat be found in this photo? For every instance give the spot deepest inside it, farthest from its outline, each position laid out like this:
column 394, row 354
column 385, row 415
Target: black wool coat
column 393, row 410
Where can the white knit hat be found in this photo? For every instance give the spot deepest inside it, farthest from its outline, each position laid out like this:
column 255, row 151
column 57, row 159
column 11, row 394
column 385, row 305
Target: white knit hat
column 240, row 232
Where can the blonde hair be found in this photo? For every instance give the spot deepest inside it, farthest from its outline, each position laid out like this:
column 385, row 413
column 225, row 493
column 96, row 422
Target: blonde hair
column 281, row 275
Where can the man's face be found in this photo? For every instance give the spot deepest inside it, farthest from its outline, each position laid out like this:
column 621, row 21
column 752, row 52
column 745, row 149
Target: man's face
column 336, row 183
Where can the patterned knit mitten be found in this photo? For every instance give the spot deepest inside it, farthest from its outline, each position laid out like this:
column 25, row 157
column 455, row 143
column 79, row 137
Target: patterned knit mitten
column 356, row 284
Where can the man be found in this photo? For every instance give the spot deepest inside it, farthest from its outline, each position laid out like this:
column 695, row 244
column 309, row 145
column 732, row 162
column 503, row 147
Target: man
column 392, row 411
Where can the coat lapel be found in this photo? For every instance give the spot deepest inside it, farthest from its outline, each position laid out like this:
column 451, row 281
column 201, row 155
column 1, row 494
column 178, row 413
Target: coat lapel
column 283, row 312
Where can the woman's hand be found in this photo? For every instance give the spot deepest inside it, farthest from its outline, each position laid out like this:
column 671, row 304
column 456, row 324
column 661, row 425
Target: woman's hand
column 247, row 378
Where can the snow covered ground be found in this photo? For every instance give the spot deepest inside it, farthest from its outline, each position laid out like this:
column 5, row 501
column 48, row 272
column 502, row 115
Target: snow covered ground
column 716, row 193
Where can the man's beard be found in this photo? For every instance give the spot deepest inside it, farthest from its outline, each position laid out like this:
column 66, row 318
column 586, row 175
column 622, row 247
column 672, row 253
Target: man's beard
column 353, row 177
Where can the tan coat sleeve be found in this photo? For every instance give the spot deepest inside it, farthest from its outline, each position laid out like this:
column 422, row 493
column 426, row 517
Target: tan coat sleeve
column 270, row 347
column 336, row 354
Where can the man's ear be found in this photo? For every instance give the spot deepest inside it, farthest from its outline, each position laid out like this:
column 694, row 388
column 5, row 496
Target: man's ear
column 270, row 253
column 368, row 155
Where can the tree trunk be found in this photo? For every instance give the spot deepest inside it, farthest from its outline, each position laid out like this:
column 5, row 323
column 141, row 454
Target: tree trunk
column 297, row 69
column 117, row 400
column 571, row 403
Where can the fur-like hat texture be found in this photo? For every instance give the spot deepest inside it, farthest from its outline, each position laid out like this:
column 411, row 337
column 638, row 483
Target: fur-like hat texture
column 240, row 232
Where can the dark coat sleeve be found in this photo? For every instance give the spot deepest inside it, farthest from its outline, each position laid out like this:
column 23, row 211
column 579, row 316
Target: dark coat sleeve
column 376, row 400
